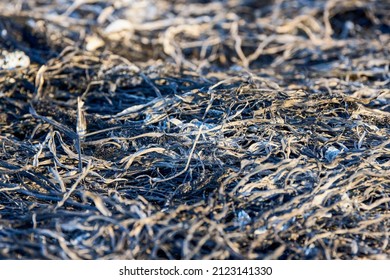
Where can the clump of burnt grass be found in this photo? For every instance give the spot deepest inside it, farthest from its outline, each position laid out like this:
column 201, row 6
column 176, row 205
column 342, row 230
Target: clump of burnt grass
column 213, row 130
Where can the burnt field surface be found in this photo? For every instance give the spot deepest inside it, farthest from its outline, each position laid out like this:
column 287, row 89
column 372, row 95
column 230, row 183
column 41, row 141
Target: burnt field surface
column 187, row 129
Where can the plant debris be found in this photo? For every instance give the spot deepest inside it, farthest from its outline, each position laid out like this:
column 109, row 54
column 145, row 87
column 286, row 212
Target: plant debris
column 185, row 129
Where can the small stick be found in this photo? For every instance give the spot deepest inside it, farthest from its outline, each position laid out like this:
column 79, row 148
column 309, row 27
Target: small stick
column 81, row 129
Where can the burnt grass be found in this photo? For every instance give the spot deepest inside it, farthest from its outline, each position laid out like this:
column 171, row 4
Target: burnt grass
column 213, row 130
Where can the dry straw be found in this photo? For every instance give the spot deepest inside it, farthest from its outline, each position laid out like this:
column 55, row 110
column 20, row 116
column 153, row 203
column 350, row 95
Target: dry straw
column 216, row 130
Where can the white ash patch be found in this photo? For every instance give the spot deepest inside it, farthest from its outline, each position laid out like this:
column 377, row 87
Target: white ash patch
column 13, row 60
